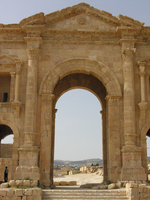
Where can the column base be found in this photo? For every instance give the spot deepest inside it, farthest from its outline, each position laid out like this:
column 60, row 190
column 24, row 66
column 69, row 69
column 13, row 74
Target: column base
column 28, row 163
column 45, row 179
column 25, row 172
column 132, row 169
column 133, row 174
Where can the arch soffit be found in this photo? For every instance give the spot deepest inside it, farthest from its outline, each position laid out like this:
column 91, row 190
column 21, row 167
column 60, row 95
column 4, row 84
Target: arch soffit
column 12, row 126
column 78, row 65
column 144, row 130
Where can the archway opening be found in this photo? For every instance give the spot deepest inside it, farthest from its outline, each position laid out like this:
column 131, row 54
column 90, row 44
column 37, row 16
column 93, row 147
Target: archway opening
column 78, row 136
column 6, row 148
column 148, row 153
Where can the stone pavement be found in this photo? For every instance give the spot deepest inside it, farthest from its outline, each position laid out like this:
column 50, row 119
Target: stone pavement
column 81, row 178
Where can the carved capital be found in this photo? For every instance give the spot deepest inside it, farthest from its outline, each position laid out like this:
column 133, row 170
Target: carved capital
column 142, row 66
column 18, row 67
column 33, row 52
column 12, row 74
column 143, row 109
column 128, row 51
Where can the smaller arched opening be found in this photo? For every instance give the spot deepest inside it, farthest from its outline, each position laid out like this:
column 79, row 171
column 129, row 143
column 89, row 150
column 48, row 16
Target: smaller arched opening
column 148, row 152
column 6, row 148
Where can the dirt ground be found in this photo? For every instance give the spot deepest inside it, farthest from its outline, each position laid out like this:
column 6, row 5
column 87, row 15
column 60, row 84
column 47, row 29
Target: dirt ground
column 81, row 178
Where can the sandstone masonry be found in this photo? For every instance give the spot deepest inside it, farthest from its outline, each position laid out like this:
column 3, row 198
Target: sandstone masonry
column 78, row 47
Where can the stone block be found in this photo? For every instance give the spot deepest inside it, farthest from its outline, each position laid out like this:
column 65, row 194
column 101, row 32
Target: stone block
column 10, row 192
column 4, row 185
column 37, row 197
column 37, row 191
column 112, row 186
column 56, row 183
column 3, row 192
column 26, row 183
column 28, row 192
column 12, row 183
column 19, row 183
column 34, row 183
column 131, row 185
column 63, row 183
column 72, row 183
column 103, row 187
column 19, row 192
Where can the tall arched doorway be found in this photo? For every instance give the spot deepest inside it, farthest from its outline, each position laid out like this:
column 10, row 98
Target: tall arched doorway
column 78, row 130
column 101, row 81
column 5, row 151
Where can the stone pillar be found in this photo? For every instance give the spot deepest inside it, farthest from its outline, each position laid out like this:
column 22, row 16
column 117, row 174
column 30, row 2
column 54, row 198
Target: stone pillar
column 53, row 144
column 131, row 154
column 17, row 83
column 143, row 104
column 47, row 143
column 28, row 152
column 12, row 85
column 113, row 138
column 104, row 144
column 31, row 96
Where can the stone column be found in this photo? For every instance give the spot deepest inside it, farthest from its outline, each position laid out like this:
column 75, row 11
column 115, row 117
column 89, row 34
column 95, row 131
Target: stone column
column 46, row 153
column 12, row 85
column 113, row 138
column 17, row 83
column 28, row 152
column 104, row 144
column 131, row 154
column 143, row 104
column 31, row 96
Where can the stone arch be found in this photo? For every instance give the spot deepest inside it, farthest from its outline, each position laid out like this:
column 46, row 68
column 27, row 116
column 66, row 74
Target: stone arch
column 111, row 110
column 12, row 126
column 78, row 65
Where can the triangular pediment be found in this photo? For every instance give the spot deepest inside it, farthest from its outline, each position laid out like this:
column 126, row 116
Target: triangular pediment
column 80, row 14
column 8, row 60
column 4, row 59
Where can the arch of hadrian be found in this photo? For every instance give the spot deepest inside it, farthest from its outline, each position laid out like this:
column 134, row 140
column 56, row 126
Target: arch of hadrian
column 78, row 47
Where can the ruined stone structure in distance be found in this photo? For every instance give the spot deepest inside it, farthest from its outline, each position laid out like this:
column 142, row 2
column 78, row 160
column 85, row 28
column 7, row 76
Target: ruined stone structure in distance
column 78, row 47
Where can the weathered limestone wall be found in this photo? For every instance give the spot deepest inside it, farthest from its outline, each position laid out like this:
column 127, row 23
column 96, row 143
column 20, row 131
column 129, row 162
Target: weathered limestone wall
column 19, row 194
column 6, row 150
column 41, row 51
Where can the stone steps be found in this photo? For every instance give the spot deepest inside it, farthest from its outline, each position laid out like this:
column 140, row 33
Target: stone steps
column 55, row 194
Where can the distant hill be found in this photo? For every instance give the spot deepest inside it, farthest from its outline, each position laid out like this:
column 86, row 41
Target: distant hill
column 79, row 163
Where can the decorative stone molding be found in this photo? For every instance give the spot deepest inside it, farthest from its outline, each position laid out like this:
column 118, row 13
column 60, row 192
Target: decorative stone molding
column 81, row 19
column 68, row 67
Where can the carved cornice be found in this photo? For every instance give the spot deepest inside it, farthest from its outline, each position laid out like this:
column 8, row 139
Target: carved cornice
column 34, row 19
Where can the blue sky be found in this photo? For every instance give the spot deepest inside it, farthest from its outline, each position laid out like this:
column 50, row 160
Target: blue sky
column 78, row 115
